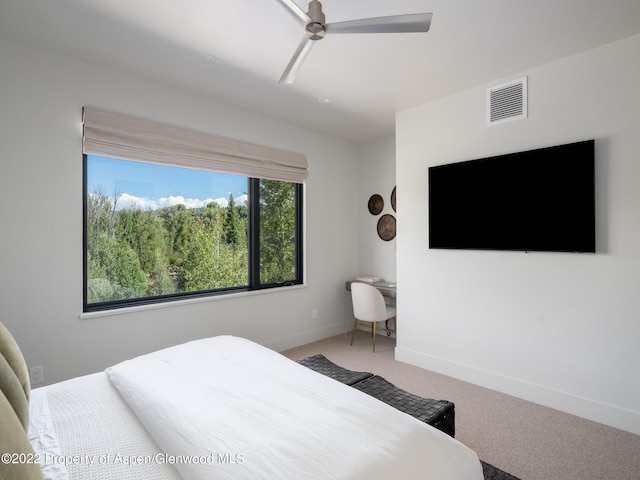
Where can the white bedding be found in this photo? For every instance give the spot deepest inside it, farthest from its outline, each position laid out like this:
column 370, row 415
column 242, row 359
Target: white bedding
column 227, row 408
column 43, row 438
column 97, row 433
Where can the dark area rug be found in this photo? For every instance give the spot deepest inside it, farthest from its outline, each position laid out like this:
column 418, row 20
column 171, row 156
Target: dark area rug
column 494, row 473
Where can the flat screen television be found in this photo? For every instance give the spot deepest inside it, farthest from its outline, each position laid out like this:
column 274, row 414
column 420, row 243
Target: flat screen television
column 536, row 200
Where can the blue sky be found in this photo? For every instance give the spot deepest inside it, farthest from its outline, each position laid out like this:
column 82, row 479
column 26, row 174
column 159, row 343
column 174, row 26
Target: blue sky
column 149, row 186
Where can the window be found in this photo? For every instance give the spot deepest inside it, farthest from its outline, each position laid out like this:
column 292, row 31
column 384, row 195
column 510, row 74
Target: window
column 157, row 231
column 143, row 248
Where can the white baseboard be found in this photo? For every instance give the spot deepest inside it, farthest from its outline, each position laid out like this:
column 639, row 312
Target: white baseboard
column 607, row 414
column 302, row 338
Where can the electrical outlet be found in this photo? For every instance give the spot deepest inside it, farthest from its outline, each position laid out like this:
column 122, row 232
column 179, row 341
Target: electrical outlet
column 314, row 314
column 36, row 375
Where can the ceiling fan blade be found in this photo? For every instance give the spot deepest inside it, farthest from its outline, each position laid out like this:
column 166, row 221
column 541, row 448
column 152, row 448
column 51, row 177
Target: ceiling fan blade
column 413, row 22
column 296, row 61
column 295, row 10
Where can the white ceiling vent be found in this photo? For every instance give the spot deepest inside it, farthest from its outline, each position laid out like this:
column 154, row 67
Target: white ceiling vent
column 507, row 102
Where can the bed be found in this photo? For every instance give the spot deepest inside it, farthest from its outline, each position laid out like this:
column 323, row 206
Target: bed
column 216, row 408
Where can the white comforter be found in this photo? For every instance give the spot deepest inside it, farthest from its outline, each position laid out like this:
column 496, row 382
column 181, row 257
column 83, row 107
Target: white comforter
column 227, row 408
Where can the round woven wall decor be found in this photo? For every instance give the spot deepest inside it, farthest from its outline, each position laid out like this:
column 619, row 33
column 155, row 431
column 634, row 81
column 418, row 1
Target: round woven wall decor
column 376, row 204
column 387, row 227
column 393, row 199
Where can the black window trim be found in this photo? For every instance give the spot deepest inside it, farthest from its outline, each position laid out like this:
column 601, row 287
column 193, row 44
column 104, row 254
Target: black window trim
column 254, row 257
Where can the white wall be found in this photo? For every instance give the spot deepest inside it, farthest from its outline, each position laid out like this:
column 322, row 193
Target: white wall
column 41, row 99
column 559, row 329
column 377, row 174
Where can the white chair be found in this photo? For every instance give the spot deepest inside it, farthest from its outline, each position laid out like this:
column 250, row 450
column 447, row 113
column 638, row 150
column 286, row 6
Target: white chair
column 369, row 309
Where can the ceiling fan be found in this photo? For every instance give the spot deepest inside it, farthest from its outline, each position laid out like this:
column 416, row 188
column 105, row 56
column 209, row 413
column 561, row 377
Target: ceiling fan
column 316, row 29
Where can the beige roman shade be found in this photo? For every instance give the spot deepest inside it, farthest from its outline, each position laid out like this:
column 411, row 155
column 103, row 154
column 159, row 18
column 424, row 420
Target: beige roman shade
column 115, row 135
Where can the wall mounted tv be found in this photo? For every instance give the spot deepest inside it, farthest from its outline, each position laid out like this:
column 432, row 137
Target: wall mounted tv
column 537, row 200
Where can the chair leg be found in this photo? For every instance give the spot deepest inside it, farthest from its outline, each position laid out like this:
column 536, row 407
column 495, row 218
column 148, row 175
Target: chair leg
column 373, row 327
column 355, row 325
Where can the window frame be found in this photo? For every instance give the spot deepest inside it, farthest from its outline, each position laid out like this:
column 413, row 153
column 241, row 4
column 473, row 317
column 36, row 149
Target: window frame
column 253, row 246
column 254, row 237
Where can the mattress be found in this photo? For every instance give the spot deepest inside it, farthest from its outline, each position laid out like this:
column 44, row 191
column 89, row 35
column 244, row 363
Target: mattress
column 227, row 408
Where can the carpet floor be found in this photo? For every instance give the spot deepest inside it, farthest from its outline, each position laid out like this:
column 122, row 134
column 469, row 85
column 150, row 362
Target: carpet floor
column 430, row 411
column 509, row 434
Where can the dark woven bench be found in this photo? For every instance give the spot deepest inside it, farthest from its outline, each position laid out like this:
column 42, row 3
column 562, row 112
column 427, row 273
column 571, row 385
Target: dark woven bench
column 437, row 413
column 322, row 364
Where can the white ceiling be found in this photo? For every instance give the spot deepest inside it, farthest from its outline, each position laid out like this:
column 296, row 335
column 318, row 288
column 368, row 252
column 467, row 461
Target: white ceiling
column 367, row 77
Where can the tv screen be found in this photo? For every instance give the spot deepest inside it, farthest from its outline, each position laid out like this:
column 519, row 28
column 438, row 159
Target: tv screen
column 537, row 200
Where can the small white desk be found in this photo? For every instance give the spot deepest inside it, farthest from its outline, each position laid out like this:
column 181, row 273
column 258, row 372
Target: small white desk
column 387, row 289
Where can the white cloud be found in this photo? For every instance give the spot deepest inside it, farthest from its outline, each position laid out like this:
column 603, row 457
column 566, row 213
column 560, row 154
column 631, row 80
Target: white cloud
column 129, row 201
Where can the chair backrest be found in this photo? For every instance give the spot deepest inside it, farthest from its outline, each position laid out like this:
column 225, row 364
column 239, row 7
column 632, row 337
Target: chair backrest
column 368, row 303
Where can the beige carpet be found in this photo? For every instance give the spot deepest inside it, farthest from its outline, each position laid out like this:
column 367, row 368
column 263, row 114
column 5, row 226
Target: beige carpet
column 527, row 440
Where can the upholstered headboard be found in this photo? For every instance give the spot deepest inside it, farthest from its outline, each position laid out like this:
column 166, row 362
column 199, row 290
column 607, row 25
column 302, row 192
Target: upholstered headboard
column 17, row 453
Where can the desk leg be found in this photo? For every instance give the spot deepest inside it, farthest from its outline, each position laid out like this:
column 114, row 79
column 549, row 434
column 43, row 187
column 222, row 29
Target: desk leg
column 395, row 326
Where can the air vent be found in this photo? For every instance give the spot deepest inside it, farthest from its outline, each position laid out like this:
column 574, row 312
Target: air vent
column 507, row 102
